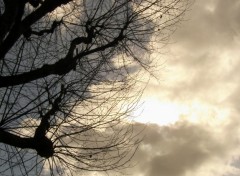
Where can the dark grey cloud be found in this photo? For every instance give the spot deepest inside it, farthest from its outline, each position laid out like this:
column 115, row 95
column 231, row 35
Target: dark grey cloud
column 179, row 149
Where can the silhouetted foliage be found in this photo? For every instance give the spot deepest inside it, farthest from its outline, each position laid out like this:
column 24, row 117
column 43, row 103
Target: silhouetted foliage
column 67, row 73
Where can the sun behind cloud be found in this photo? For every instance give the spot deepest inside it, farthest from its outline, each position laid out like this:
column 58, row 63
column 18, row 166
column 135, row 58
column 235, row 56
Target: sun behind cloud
column 166, row 112
column 160, row 112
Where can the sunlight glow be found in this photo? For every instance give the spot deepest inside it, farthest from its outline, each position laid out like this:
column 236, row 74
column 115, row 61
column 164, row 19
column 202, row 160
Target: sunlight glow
column 160, row 112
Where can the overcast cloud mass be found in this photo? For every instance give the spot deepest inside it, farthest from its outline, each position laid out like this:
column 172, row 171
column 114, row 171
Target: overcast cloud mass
column 199, row 92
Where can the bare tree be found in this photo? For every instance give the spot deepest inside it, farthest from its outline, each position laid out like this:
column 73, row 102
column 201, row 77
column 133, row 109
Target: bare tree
column 67, row 73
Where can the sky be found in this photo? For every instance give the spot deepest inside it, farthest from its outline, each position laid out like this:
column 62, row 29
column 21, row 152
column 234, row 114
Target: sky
column 193, row 111
column 191, row 114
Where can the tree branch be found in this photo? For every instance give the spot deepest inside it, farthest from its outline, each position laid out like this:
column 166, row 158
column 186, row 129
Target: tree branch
column 43, row 146
column 61, row 67
column 29, row 32
column 35, row 3
column 16, row 141
column 46, row 7
column 12, row 14
column 39, row 142
column 43, row 127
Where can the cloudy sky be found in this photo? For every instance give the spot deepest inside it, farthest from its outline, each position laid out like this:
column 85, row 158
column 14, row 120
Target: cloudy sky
column 193, row 111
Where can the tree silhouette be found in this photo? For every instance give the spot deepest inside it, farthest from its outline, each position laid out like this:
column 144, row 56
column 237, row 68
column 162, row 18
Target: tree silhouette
column 67, row 73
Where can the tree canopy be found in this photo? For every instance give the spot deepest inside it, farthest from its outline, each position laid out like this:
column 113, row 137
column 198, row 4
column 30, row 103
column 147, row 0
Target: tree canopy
column 68, row 74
